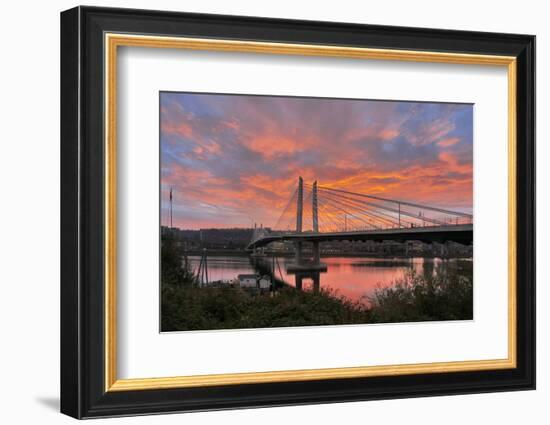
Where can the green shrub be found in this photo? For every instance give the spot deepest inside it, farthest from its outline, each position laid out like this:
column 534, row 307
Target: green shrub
column 445, row 295
column 186, row 308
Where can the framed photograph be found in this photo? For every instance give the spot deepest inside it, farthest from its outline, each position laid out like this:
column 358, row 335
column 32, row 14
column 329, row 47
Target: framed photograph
column 261, row 212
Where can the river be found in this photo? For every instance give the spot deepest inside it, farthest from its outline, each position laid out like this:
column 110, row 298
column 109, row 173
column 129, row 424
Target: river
column 356, row 278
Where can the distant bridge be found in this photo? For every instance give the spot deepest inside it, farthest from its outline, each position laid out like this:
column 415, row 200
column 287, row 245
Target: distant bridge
column 332, row 214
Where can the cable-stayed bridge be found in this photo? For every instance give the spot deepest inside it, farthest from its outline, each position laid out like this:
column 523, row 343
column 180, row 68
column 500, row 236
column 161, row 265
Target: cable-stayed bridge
column 317, row 213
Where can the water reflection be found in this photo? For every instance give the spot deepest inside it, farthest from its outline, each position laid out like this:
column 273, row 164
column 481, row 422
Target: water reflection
column 352, row 277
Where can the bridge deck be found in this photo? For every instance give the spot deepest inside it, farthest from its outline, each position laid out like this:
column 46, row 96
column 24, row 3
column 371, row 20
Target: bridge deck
column 461, row 233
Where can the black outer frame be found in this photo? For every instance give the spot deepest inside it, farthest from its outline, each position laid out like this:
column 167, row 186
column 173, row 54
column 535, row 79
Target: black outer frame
column 82, row 219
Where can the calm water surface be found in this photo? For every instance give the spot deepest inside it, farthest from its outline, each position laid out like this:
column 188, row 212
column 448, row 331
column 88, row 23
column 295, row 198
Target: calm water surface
column 353, row 277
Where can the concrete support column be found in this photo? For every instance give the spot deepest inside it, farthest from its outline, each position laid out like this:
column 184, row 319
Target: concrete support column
column 316, row 253
column 316, row 282
column 298, row 282
column 298, row 252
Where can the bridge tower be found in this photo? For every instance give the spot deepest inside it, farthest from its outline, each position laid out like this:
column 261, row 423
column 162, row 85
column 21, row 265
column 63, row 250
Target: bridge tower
column 315, row 219
column 299, row 214
column 300, row 205
column 314, row 208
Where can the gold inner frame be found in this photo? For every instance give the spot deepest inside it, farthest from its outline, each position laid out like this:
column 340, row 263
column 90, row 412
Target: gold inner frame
column 113, row 41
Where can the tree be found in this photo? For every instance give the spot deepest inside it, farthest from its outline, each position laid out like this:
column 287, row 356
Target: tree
column 173, row 270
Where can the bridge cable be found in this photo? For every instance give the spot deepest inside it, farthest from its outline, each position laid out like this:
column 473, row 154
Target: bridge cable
column 291, row 201
column 393, row 220
column 375, row 214
column 351, row 214
column 401, row 212
column 411, row 204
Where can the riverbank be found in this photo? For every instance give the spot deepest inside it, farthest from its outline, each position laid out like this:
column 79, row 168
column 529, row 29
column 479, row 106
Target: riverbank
column 442, row 291
column 446, row 296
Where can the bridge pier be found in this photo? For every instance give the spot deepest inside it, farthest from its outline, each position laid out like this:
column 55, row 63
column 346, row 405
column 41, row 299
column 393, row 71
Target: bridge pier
column 298, row 279
column 316, row 253
column 301, row 264
column 298, row 252
column 316, row 277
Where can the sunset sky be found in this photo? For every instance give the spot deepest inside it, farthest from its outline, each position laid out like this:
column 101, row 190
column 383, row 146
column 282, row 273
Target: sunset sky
column 233, row 160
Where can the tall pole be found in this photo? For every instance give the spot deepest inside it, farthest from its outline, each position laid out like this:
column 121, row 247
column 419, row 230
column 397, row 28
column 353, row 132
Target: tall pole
column 314, row 208
column 199, row 272
column 206, row 265
column 170, row 208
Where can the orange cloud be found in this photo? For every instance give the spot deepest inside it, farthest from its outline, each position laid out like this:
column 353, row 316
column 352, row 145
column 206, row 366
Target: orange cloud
column 181, row 129
column 272, row 145
column 388, row 134
column 445, row 143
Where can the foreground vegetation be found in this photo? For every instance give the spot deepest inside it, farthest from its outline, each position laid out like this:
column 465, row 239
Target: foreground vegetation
column 234, row 308
column 444, row 295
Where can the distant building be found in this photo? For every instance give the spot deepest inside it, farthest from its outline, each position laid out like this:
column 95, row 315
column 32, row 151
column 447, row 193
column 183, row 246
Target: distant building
column 248, row 280
column 264, row 282
column 278, row 246
column 254, row 281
